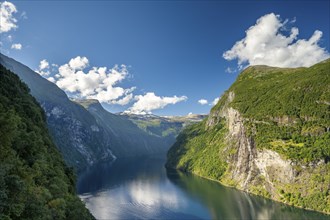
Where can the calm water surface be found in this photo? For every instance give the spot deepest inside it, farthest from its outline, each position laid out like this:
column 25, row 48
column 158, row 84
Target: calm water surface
column 144, row 189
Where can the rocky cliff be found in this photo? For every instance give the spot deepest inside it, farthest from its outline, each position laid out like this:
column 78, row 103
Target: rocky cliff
column 268, row 135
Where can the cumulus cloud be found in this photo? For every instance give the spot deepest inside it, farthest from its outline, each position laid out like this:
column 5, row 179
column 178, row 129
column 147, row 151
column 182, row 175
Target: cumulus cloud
column 266, row 44
column 148, row 102
column 124, row 101
column 43, row 64
column 202, row 101
column 7, row 19
column 51, row 79
column 43, row 70
column 215, row 101
column 79, row 81
column 16, row 46
column 78, row 63
column 97, row 83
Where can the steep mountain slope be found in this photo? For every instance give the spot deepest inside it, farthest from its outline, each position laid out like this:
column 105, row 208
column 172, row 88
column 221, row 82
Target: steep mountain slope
column 268, row 134
column 125, row 138
column 34, row 181
column 74, row 130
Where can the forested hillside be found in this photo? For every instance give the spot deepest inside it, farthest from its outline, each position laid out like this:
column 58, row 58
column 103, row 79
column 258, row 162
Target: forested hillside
column 269, row 134
column 34, row 181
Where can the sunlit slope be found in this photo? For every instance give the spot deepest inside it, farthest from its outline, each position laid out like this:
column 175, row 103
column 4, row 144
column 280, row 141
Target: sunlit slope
column 268, row 134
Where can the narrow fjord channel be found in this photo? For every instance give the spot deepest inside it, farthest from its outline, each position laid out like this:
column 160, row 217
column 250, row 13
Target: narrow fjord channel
column 143, row 189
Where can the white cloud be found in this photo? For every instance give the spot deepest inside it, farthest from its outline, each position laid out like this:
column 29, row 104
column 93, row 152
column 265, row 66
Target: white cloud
column 43, row 70
column 43, row 64
column 51, row 79
column 264, row 44
column 123, row 101
column 16, row 46
column 7, row 20
column 97, row 83
column 202, row 101
column 93, row 83
column 145, row 104
column 101, row 83
column 78, row 63
column 215, row 101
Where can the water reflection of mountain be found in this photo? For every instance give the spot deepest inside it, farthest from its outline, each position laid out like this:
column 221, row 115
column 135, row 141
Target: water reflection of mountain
column 142, row 188
column 110, row 174
column 228, row 203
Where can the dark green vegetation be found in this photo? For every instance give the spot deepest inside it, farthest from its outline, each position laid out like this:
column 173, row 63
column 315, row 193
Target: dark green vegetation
column 198, row 151
column 286, row 111
column 293, row 106
column 34, row 181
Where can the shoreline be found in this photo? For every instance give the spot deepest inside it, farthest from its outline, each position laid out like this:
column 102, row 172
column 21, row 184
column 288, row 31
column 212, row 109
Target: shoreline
column 233, row 187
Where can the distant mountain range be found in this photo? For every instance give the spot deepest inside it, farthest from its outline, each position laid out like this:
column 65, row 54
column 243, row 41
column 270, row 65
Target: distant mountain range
column 86, row 133
column 166, row 127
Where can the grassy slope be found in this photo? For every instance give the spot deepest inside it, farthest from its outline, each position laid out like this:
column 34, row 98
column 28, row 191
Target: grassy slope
column 287, row 110
column 34, row 181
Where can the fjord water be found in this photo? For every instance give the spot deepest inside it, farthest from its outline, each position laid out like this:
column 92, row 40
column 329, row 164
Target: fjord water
column 143, row 189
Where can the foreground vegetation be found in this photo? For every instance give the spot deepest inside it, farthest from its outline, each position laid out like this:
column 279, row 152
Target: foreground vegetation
column 283, row 110
column 34, row 181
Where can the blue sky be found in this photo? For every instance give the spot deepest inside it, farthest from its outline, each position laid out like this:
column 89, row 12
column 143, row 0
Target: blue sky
column 170, row 48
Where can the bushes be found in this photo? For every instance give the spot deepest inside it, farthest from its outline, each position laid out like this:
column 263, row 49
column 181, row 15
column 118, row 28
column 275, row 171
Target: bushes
column 199, row 151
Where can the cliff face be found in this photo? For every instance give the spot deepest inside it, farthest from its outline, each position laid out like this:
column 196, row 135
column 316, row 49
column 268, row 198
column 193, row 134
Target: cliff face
column 268, row 138
column 250, row 167
column 81, row 140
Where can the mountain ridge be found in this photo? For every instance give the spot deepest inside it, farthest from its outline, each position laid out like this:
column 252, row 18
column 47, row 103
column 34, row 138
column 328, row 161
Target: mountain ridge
column 121, row 133
column 69, row 123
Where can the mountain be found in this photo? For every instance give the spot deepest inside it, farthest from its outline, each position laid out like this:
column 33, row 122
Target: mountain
column 34, row 181
column 74, row 130
column 268, row 135
column 165, row 127
column 125, row 138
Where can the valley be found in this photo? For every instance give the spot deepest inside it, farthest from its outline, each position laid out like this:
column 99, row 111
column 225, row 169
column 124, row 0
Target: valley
column 235, row 144
column 164, row 110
